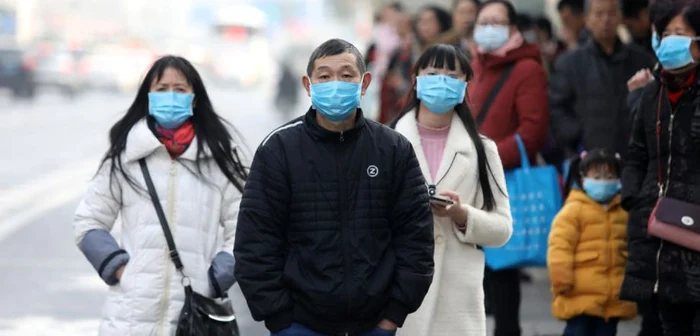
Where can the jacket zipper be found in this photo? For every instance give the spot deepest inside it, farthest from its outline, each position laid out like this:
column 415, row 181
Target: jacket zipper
column 662, row 191
column 611, row 263
column 165, row 299
column 344, row 224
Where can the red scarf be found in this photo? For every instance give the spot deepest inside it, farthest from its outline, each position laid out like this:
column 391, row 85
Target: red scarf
column 176, row 140
column 675, row 89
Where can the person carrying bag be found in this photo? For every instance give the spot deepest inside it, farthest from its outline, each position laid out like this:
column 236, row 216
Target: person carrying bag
column 200, row 315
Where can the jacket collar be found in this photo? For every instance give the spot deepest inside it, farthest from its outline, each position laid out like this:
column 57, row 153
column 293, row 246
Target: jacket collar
column 458, row 142
column 319, row 133
column 578, row 195
column 141, row 142
column 619, row 54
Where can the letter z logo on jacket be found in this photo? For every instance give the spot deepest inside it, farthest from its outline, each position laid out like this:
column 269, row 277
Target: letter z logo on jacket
column 372, row 171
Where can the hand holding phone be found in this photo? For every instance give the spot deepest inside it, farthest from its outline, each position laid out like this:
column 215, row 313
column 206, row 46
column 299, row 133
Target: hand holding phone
column 448, row 204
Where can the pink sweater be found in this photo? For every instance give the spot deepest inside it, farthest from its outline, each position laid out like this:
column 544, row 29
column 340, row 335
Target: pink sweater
column 433, row 142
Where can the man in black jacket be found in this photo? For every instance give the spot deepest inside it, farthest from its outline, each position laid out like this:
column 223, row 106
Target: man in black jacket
column 335, row 230
column 588, row 86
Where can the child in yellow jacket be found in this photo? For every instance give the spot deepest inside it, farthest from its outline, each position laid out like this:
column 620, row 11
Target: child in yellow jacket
column 588, row 248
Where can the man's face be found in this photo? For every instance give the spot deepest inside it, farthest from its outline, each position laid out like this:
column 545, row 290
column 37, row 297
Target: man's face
column 389, row 15
column 571, row 21
column 603, row 18
column 639, row 26
column 464, row 16
column 337, row 68
column 403, row 25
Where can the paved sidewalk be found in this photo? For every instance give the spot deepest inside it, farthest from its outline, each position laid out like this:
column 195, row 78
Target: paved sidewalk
column 535, row 311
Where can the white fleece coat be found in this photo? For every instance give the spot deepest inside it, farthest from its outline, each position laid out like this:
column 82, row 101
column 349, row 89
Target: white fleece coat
column 454, row 304
column 202, row 217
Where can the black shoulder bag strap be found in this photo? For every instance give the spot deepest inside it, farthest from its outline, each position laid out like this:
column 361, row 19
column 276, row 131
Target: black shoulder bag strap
column 174, row 255
column 494, row 92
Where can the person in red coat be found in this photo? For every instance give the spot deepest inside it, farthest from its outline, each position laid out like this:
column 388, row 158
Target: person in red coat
column 520, row 107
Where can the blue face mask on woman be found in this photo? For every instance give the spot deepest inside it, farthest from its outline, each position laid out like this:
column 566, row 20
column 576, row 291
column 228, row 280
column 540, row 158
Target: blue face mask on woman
column 440, row 93
column 673, row 51
column 491, row 37
column 601, row 190
column 170, row 109
column 336, row 101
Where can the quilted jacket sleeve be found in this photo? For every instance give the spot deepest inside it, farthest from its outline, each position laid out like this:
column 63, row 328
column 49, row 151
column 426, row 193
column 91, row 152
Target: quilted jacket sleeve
column 93, row 222
column 260, row 242
column 489, row 228
column 412, row 226
column 636, row 162
column 562, row 243
column 565, row 124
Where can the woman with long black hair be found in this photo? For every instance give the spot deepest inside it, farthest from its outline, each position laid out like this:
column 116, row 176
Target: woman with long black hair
column 464, row 168
column 198, row 175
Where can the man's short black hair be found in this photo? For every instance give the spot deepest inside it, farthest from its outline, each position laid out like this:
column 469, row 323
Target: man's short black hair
column 396, row 5
column 589, row 3
column 334, row 47
column 524, row 22
column 632, row 8
column 544, row 25
column 576, row 6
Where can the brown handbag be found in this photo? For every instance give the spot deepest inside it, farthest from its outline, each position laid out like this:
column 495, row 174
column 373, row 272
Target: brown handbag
column 672, row 220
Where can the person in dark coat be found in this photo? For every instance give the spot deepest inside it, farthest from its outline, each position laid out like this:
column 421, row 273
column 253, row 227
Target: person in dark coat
column 335, row 229
column 635, row 16
column 588, row 87
column 572, row 16
column 656, row 267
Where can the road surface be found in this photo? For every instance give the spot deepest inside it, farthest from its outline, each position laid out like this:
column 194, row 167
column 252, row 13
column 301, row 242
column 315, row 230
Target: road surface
column 50, row 150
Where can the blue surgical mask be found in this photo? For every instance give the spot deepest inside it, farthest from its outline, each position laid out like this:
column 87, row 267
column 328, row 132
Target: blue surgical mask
column 336, row 101
column 170, row 109
column 673, row 51
column 440, row 93
column 491, row 37
column 601, row 191
column 530, row 36
column 655, row 41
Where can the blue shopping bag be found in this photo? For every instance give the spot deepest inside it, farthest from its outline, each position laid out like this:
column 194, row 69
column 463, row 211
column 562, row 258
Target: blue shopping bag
column 535, row 199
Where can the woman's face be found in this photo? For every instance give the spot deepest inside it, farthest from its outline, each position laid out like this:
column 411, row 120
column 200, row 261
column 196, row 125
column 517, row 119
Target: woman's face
column 678, row 26
column 171, row 81
column 495, row 15
column 464, row 16
column 428, row 26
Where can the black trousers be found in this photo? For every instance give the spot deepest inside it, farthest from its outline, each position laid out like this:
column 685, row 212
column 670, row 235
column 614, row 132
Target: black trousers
column 679, row 319
column 502, row 291
column 651, row 323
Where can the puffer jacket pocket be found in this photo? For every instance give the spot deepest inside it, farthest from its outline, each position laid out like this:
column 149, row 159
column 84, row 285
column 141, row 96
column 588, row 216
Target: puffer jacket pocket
column 586, row 257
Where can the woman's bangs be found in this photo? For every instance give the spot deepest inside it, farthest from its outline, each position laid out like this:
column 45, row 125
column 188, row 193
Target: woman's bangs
column 439, row 58
column 443, row 57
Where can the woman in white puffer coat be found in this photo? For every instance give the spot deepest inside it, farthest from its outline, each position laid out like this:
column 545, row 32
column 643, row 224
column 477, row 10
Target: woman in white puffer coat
column 198, row 176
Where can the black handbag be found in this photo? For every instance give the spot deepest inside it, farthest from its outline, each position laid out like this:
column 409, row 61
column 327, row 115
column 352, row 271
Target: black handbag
column 200, row 315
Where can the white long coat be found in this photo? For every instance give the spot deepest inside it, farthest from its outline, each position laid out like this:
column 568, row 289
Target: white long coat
column 202, row 217
column 454, row 304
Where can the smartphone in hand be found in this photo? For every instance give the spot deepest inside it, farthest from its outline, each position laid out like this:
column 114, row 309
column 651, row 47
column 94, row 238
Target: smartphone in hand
column 440, row 201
